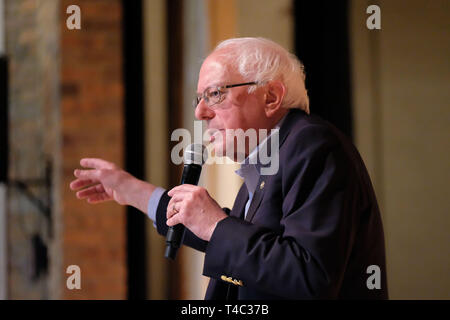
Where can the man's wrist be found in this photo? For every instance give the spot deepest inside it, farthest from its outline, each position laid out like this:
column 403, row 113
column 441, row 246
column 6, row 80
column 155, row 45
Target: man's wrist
column 213, row 228
column 138, row 194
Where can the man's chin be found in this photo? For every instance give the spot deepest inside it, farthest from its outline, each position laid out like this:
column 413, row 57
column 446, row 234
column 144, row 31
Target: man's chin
column 228, row 153
column 218, row 149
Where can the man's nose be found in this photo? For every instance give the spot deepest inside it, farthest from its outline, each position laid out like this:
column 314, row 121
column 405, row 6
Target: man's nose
column 203, row 112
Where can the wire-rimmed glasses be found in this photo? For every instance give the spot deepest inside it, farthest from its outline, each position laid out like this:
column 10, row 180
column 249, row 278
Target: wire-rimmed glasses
column 215, row 94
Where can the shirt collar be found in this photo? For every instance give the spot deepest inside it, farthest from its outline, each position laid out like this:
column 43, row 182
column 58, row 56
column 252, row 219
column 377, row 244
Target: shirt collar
column 250, row 167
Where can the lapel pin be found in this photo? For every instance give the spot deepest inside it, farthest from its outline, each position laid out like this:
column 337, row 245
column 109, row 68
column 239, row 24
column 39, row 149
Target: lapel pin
column 262, row 185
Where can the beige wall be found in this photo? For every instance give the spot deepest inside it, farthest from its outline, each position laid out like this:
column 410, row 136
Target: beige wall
column 195, row 48
column 273, row 20
column 401, row 84
column 155, row 80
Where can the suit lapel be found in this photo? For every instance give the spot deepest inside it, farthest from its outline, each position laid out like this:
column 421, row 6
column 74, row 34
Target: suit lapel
column 239, row 204
column 290, row 120
column 257, row 197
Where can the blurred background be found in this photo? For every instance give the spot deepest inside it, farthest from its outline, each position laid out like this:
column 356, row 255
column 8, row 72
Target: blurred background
column 117, row 87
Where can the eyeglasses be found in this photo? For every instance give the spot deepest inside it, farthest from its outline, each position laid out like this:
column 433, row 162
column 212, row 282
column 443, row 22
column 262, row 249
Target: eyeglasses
column 214, row 95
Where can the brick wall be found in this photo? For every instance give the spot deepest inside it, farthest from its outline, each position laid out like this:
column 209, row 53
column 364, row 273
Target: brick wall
column 66, row 102
column 93, row 236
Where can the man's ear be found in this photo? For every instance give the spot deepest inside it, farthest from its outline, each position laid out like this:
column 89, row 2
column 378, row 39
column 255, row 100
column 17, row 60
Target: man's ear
column 274, row 97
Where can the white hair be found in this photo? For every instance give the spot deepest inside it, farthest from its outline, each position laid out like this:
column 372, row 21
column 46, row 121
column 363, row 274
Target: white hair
column 261, row 60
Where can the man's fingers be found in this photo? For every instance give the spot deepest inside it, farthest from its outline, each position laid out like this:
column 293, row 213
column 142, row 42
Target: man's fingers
column 94, row 190
column 172, row 209
column 182, row 188
column 97, row 198
column 87, row 174
column 80, row 183
column 86, row 178
column 173, row 221
column 177, row 197
column 96, row 163
column 175, row 202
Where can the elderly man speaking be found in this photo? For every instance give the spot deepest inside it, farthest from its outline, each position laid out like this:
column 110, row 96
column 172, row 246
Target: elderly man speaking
column 310, row 230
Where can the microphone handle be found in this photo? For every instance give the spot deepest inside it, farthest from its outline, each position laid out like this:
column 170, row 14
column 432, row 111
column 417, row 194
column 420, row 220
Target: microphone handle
column 191, row 174
column 175, row 234
column 174, row 239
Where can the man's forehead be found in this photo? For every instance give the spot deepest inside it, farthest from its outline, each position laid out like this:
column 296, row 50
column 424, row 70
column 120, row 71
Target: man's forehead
column 211, row 69
column 214, row 72
column 211, row 66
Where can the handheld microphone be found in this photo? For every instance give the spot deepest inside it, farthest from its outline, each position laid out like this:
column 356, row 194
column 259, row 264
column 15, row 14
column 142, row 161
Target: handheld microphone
column 193, row 161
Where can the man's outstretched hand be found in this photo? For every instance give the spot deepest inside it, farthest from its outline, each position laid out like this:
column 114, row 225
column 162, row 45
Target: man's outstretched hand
column 104, row 181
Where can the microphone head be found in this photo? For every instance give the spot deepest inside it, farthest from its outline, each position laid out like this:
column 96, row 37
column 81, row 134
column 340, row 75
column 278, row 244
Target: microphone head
column 195, row 154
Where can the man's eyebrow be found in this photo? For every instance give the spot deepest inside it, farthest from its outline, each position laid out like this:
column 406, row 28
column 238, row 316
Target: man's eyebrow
column 215, row 84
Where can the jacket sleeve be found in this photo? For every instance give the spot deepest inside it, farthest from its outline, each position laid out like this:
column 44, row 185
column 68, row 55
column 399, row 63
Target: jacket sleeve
column 190, row 239
column 307, row 258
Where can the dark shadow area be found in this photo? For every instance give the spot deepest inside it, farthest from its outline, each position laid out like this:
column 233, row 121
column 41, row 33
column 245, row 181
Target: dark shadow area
column 322, row 44
column 134, row 143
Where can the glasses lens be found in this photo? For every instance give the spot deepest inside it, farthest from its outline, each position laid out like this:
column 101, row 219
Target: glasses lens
column 212, row 96
column 196, row 101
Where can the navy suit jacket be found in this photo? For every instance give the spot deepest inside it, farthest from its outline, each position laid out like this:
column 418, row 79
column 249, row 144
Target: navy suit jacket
column 311, row 231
